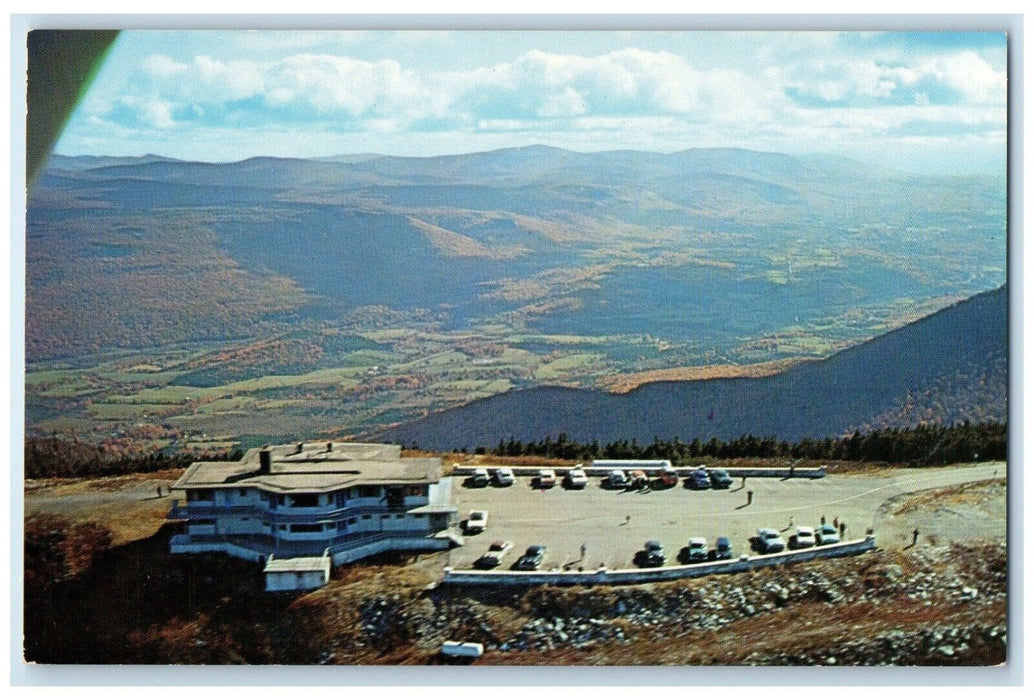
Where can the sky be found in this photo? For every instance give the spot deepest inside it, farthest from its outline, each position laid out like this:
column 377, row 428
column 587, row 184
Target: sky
column 928, row 102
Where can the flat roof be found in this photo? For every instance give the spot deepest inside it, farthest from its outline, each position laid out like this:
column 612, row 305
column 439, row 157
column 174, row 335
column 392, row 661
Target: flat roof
column 313, row 467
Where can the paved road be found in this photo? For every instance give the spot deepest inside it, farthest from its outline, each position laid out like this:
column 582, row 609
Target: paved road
column 614, row 524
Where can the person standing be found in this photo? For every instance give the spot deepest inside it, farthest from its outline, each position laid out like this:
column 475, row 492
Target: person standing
column 915, row 536
column 750, row 497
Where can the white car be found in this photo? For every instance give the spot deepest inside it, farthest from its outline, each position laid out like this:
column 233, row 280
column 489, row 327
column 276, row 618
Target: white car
column 617, row 479
column 494, row 556
column 479, row 477
column 504, row 476
column 547, row 478
column 769, row 541
column 803, row 538
column 577, row 479
column 477, row 521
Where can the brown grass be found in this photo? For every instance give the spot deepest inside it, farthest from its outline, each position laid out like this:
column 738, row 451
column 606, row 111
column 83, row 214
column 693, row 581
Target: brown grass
column 624, row 383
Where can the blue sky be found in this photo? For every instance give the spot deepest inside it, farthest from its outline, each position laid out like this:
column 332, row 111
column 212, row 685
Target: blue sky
column 924, row 102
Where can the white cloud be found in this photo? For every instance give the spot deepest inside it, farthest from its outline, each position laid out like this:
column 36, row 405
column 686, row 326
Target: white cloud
column 968, row 74
column 753, row 90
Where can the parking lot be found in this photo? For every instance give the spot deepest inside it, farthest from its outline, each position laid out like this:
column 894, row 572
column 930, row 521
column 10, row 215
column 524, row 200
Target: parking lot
column 614, row 524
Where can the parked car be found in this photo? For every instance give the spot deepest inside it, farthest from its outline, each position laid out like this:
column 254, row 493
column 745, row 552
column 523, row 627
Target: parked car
column 477, row 521
column 479, row 477
column 669, row 477
column 638, row 479
column 826, row 534
column 532, row 558
column 653, row 553
column 769, row 541
column 697, row 549
column 803, row 538
column 494, row 556
column 504, row 476
column 720, row 478
column 577, row 479
column 722, row 549
column 617, row 479
column 699, row 479
column 547, row 478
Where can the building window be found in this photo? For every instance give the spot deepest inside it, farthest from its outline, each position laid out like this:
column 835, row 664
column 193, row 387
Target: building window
column 339, row 499
column 306, row 528
column 367, row 517
column 420, row 515
column 199, row 495
column 399, row 516
column 352, row 521
column 305, row 500
column 242, row 492
column 203, row 521
column 369, row 492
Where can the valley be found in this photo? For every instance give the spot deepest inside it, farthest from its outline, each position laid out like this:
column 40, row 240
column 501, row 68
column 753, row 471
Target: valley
column 272, row 298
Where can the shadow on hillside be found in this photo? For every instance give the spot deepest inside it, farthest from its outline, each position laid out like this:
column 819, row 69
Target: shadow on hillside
column 137, row 601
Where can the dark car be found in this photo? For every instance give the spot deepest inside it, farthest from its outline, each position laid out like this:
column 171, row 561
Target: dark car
column 653, row 553
column 826, row 534
column 532, row 558
column 720, row 478
column 699, row 480
column 696, row 550
column 722, row 549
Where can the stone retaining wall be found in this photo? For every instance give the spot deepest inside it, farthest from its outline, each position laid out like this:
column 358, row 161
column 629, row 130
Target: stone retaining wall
column 604, row 576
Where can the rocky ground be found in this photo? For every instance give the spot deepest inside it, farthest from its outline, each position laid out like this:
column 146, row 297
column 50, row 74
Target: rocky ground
column 934, row 605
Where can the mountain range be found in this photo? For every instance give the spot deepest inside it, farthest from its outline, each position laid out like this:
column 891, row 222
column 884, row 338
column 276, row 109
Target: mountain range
column 955, row 359
column 354, row 293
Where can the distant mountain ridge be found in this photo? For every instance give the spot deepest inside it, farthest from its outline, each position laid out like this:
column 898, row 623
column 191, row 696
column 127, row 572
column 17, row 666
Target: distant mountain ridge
column 947, row 367
column 544, row 241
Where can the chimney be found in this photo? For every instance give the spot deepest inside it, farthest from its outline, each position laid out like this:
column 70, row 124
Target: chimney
column 265, row 460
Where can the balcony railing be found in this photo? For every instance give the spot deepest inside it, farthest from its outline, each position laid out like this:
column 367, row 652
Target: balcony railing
column 285, row 516
column 266, row 544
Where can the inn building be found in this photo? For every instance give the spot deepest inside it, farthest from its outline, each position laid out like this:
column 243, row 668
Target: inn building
column 333, row 501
